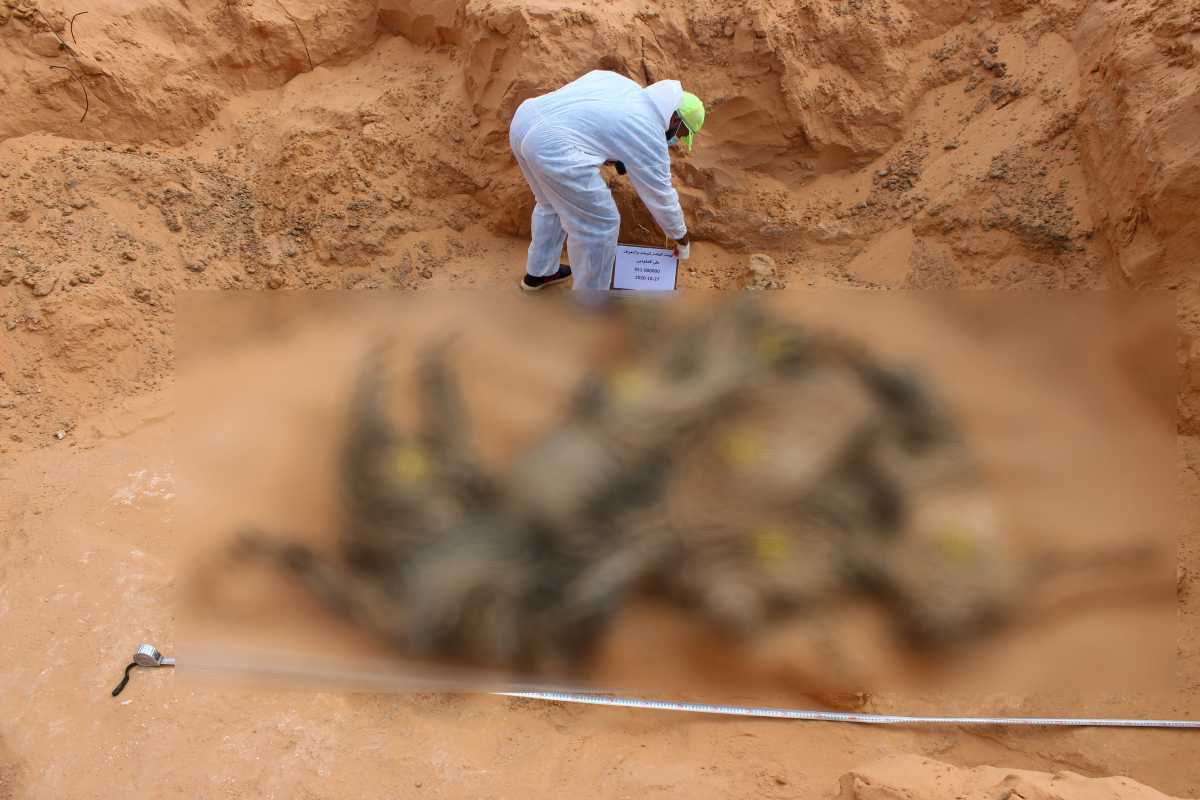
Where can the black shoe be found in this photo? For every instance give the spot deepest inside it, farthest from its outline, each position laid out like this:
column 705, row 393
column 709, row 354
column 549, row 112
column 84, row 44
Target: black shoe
column 531, row 284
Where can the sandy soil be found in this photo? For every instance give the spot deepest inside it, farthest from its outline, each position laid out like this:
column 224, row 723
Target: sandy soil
column 362, row 144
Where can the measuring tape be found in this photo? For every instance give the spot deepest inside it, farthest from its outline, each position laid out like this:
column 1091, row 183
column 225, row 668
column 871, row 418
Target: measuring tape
column 148, row 656
column 844, row 716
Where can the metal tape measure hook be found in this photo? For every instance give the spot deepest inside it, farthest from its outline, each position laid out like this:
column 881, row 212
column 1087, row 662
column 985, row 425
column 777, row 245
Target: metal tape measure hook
column 147, row 655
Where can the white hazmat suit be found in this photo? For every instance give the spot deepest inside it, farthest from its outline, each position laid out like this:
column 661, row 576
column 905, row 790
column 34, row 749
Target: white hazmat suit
column 561, row 140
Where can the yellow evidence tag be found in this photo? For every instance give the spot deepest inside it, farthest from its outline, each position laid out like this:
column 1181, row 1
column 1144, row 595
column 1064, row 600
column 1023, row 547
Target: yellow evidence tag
column 957, row 545
column 771, row 546
column 742, row 447
column 629, row 384
column 410, row 464
column 770, row 346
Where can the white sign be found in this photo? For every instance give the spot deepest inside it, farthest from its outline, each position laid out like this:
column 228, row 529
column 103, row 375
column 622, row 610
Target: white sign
column 646, row 269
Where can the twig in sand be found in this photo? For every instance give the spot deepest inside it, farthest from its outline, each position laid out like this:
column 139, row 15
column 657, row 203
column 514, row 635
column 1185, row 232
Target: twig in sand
column 303, row 41
column 82, row 85
column 61, row 40
column 73, row 53
column 72, row 25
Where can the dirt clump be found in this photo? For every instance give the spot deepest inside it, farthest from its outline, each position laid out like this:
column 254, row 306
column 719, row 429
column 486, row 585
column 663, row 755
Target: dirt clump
column 762, row 273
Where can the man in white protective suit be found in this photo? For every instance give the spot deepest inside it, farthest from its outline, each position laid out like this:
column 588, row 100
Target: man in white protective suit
column 562, row 139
